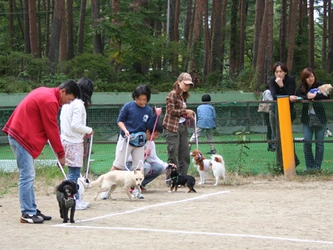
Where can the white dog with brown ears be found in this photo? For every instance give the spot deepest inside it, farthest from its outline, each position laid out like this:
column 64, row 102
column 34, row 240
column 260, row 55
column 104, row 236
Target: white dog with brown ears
column 218, row 167
column 119, row 178
column 216, row 163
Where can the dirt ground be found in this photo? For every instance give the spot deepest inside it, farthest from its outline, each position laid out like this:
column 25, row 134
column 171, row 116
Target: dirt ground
column 245, row 213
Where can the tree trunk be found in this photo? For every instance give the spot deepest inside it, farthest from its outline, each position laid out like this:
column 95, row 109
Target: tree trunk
column 175, row 34
column 260, row 7
column 70, row 30
column 291, row 35
column 270, row 41
column 97, row 40
column 242, row 32
column 188, row 31
column 63, row 39
column 47, row 9
column 311, row 34
column 207, row 43
column 216, row 35
column 80, row 38
column 283, row 31
column 324, row 37
column 55, row 33
column 260, row 65
column 33, row 28
column 330, row 39
column 195, row 45
column 234, row 39
column 11, row 24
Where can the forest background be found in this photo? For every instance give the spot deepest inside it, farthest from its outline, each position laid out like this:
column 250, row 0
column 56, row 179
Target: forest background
column 223, row 44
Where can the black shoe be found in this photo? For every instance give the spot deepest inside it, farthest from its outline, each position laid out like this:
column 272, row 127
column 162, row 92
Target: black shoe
column 45, row 217
column 29, row 218
column 212, row 151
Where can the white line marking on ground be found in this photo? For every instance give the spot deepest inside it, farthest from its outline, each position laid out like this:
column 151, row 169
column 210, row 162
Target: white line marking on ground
column 208, row 234
column 183, row 232
column 147, row 207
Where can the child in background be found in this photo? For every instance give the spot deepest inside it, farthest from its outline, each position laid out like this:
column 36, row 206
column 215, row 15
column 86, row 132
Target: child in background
column 73, row 129
column 206, row 122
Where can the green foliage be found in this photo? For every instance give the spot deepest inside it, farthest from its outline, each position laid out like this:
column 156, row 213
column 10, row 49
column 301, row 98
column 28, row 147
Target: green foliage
column 323, row 76
column 14, row 85
column 23, row 66
column 90, row 66
column 53, row 80
column 240, row 161
column 246, row 79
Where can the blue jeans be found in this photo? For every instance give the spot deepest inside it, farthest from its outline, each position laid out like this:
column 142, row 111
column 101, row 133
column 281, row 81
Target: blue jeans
column 152, row 171
column 313, row 161
column 73, row 175
column 25, row 164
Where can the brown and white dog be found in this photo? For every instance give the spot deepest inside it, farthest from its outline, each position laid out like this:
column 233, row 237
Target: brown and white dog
column 216, row 163
column 201, row 164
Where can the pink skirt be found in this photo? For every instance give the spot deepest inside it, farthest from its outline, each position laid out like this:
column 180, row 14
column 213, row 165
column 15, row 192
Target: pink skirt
column 74, row 153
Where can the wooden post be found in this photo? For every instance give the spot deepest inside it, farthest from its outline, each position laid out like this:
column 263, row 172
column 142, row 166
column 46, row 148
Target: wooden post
column 286, row 137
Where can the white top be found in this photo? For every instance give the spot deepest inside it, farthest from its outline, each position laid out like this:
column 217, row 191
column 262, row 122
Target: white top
column 267, row 95
column 73, row 121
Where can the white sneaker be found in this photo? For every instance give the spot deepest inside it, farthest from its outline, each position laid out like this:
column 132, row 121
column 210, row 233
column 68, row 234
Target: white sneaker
column 105, row 195
column 135, row 194
column 80, row 205
column 86, row 203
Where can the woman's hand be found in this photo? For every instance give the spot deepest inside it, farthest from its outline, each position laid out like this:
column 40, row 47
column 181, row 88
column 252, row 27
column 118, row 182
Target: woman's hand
column 293, row 98
column 158, row 111
column 190, row 113
column 311, row 95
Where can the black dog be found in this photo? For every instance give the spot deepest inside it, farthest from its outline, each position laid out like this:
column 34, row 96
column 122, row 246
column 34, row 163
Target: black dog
column 177, row 179
column 65, row 196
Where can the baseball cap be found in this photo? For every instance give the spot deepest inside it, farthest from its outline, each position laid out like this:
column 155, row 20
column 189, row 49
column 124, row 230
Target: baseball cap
column 186, row 78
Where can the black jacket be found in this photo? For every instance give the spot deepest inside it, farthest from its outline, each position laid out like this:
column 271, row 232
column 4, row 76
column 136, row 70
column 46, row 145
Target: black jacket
column 317, row 106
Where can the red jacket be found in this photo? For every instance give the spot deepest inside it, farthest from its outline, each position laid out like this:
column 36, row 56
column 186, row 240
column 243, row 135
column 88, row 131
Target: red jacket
column 35, row 120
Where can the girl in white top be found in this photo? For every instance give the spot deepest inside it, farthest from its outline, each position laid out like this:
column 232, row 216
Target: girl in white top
column 73, row 129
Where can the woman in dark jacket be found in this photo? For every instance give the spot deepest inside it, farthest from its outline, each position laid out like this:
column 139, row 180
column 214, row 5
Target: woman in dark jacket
column 308, row 82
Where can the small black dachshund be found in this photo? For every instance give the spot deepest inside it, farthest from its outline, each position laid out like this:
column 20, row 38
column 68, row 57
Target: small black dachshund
column 65, row 196
column 177, row 179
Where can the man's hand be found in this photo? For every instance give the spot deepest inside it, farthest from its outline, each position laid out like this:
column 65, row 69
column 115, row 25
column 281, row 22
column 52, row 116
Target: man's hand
column 62, row 161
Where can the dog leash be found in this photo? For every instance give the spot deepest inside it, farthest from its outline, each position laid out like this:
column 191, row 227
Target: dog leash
column 89, row 154
column 125, row 160
column 58, row 162
column 195, row 131
column 152, row 134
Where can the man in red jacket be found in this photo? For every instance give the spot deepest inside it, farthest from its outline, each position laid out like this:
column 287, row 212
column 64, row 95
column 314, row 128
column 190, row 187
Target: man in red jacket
column 33, row 122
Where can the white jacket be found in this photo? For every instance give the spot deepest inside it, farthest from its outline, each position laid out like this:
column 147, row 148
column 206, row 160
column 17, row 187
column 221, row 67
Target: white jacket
column 73, row 121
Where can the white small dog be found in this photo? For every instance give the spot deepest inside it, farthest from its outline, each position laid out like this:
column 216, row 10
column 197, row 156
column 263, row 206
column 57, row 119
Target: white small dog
column 83, row 183
column 119, row 178
column 218, row 167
